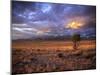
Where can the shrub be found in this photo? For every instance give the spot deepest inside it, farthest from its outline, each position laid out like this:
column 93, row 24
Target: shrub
column 60, row 55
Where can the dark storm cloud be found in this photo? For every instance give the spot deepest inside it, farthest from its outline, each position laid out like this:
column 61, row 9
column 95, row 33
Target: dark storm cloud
column 44, row 19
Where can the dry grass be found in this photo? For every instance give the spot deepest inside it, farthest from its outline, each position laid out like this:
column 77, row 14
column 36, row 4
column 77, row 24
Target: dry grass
column 35, row 59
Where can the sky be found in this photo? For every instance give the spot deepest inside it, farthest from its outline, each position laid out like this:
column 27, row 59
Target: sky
column 40, row 19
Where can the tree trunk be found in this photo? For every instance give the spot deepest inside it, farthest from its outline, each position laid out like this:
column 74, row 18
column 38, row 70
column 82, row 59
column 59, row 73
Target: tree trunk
column 74, row 45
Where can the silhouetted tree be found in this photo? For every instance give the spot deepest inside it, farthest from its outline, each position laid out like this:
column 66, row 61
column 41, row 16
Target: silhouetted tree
column 76, row 38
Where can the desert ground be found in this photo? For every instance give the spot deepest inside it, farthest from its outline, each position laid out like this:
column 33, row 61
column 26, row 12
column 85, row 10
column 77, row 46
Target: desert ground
column 52, row 56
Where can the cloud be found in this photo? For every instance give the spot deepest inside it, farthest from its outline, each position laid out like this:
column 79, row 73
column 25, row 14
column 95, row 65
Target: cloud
column 32, row 19
column 22, row 30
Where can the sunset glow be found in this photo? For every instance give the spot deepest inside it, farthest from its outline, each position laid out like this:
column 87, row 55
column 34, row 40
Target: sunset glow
column 74, row 25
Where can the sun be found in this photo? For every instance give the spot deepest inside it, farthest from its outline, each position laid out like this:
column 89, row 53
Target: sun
column 74, row 25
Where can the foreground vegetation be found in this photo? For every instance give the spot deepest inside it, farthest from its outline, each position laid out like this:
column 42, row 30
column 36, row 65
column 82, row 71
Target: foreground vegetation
column 30, row 60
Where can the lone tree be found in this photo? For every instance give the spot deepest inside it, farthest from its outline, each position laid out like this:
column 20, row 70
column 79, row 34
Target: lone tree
column 76, row 38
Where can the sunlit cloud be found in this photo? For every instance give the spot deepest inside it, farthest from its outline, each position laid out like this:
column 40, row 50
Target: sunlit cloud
column 74, row 25
column 76, row 22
